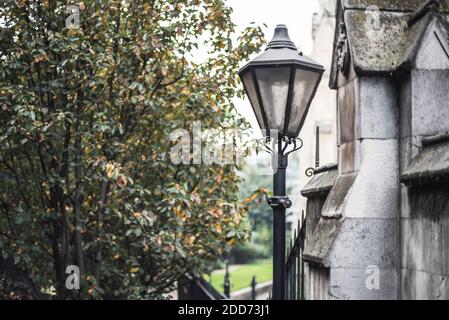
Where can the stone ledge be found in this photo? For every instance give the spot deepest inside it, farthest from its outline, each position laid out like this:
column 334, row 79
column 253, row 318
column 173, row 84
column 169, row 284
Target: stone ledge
column 337, row 198
column 322, row 182
column 317, row 249
column 432, row 163
column 245, row 294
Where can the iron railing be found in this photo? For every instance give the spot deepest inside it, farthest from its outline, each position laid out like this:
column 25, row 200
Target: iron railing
column 295, row 286
column 191, row 288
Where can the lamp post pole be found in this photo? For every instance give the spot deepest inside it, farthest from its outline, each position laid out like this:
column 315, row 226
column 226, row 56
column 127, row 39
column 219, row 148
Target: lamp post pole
column 279, row 190
column 280, row 202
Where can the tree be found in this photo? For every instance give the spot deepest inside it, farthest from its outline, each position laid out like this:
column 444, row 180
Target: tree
column 85, row 118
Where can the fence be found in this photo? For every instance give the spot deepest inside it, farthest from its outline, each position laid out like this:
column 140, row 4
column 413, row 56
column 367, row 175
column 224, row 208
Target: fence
column 294, row 277
column 294, row 267
column 191, row 288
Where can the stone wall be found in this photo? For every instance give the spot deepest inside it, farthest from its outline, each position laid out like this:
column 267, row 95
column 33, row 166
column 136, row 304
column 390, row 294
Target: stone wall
column 384, row 226
column 425, row 243
column 366, row 195
column 320, row 278
column 424, row 108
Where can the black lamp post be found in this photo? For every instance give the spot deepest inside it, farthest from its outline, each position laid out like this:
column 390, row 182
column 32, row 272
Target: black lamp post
column 280, row 84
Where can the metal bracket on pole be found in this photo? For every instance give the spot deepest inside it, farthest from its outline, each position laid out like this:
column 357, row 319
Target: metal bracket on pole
column 280, row 202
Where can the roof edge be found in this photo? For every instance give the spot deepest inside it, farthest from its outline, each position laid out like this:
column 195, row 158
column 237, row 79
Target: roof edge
column 327, row 167
column 425, row 16
column 432, row 140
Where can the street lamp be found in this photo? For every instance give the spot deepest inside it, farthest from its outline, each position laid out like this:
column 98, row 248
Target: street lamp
column 281, row 84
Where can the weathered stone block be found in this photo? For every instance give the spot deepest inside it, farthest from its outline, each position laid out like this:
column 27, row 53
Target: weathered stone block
column 319, row 245
column 376, row 189
column 421, row 241
column 405, row 202
column 364, row 242
column 350, row 284
column 445, row 245
column 349, row 157
column 429, row 201
column 430, row 107
column 346, row 106
column 419, row 285
column 314, row 206
column 379, row 112
column 432, row 55
column 336, row 200
column 405, row 106
column 410, row 147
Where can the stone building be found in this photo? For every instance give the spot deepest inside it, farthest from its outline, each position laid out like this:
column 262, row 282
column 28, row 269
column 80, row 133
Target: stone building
column 378, row 222
column 323, row 113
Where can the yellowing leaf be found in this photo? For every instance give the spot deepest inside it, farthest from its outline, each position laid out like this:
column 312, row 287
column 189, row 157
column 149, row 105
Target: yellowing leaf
column 109, row 170
column 155, row 41
column 134, row 270
column 211, row 190
column 137, row 214
column 251, row 198
column 180, row 213
column 39, row 58
column 190, row 240
column 121, row 181
column 236, row 218
column 196, row 198
column 216, row 212
column 218, row 228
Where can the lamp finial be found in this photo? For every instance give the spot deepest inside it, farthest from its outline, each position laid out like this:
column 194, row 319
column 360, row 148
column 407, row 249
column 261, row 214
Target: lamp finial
column 281, row 39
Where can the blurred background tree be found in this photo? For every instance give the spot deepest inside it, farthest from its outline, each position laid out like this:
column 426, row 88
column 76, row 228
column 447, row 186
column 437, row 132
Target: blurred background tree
column 85, row 116
column 261, row 218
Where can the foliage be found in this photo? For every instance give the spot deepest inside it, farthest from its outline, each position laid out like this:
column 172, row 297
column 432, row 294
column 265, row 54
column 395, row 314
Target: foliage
column 84, row 119
column 247, row 253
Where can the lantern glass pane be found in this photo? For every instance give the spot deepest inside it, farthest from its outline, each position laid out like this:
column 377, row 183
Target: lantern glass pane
column 304, row 85
column 248, row 82
column 273, row 86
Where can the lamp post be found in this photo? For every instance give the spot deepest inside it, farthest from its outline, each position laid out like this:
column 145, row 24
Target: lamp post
column 280, row 84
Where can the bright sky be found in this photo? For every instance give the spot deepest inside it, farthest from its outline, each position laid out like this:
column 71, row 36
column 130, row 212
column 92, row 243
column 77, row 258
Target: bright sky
column 295, row 14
